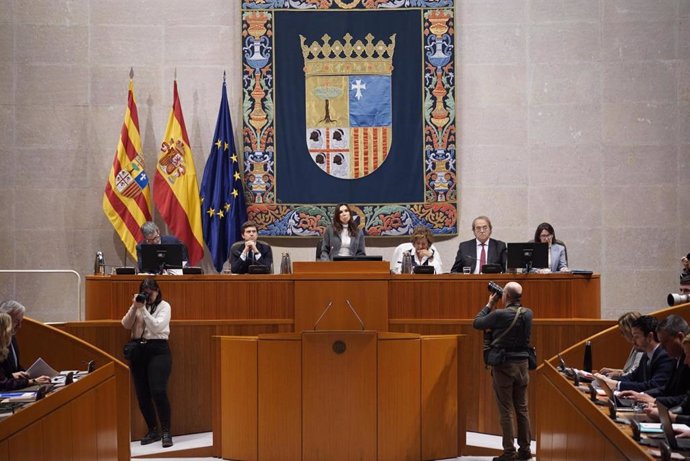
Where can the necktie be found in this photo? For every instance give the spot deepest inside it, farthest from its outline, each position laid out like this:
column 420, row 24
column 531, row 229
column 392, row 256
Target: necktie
column 644, row 364
column 482, row 257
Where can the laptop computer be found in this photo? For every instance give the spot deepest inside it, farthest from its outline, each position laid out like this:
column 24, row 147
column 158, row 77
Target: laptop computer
column 621, row 403
column 676, row 444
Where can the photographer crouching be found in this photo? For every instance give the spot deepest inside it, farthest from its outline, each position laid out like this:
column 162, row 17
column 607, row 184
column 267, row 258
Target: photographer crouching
column 507, row 345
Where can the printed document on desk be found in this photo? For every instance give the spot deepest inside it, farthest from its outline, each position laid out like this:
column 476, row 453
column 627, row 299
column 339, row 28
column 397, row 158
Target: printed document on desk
column 41, row 368
column 18, row 396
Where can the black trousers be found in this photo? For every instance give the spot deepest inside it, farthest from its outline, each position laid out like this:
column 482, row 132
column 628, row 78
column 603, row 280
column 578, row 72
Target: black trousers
column 150, row 373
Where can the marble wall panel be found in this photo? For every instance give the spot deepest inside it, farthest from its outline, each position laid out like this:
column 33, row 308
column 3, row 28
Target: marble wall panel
column 47, row 44
column 488, row 85
column 638, row 41
column 127, row 45
column 563, row 42
column 488, row 44
column 181, row 51
column 640, row 165
column 565, row 83
column 47, row 84
column 491, row 11
column 565, row 125
column 486, row 165
column 109, row 85
column 6, row 42
column 54, row 12
column 566, row 206
column 565, row 165
column 640, row 81
column 7, row 126
column 52, row 125
column 626, row 124
column 493, row 126
column 639, row 10
column 572, row 10
column 647, row 288
column 639, row 249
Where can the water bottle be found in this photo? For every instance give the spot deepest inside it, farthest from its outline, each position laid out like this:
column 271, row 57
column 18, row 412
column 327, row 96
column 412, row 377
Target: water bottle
column 587, row 364
column 406, row 263
column 99, row 264
column 285, row 264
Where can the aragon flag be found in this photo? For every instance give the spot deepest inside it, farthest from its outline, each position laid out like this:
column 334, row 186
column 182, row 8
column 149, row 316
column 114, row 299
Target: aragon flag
column 175, row 188
column 222, row 196
column 127, row 197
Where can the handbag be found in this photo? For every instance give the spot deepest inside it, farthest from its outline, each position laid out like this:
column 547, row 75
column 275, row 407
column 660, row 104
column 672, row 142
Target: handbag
column 132, row 349
column 497, row 355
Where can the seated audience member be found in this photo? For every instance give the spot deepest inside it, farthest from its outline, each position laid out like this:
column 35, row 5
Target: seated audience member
column 625, row 322
column 152, row 236
column 655, row 367
column 22, row 379
column 671, row 332
column 685, row 261
column 423, row 252
column 557, row 257
column 480, row 250
column 342, row 237
column 681, row 413
column 10, row 365
column 250, row 251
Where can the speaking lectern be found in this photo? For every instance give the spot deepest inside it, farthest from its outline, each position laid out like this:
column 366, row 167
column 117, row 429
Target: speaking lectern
column 337, row 395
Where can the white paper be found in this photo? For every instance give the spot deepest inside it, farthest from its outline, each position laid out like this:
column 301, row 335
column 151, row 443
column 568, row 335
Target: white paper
column 41, row 368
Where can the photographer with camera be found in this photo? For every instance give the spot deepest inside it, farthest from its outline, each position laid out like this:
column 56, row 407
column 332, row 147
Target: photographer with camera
column 507, row 334
column 150, row 362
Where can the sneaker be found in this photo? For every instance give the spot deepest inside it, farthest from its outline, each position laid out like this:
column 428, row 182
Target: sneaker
column 152, row 436
column 505, row 457
column 167, row 440
column 526, row 456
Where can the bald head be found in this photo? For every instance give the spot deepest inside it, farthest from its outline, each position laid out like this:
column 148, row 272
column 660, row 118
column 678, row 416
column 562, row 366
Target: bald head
column 512, row 292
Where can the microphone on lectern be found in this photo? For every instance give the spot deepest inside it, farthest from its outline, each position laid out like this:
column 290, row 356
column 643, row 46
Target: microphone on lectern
column 355, row 312
column 322, row 314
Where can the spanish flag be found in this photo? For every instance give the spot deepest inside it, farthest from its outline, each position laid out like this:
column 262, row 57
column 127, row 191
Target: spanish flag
column 175, row 190
column 127, row 197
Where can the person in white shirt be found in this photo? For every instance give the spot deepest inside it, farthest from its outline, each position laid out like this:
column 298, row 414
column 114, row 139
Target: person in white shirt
column 148, row 318
column 423, row 252
column 481, row 250
column 343, row 237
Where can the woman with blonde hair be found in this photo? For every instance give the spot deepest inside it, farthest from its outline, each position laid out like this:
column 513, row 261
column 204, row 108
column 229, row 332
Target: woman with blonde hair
column 10, row 384
column 625, row 322
column 421, row 248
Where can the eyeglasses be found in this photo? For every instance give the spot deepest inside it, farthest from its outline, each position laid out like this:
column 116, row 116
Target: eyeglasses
column 153, row 239
column 481, row 228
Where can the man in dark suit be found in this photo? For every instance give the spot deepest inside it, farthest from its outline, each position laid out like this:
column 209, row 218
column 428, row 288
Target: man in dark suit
column 656, row 366
column 671, row 332
column 152, row 236
column 480, row 250
column 250, row 252
column 11, row 367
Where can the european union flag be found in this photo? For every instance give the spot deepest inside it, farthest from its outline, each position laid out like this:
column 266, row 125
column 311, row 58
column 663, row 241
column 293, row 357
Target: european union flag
column 223, row 210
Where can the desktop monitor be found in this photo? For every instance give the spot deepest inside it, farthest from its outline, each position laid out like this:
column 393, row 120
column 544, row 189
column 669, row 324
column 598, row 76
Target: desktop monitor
column 528, row 255
column 156, row 259
column 358, row 258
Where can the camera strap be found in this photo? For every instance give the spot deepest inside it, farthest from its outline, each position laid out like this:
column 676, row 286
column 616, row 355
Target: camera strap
column 505, row 332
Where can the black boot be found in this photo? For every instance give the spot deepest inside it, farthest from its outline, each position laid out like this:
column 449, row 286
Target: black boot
column 167, row 440
column 152, row 436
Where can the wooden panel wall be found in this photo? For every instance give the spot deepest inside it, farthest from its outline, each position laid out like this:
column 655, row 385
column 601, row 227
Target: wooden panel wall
column 192, row 354
column 455, row 296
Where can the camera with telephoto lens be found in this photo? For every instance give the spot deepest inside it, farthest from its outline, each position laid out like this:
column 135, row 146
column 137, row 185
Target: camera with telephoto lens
column 495, row 289
column 673, row 299
column 141, row 298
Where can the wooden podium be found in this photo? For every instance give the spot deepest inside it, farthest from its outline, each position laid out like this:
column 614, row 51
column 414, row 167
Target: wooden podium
column 337, row 395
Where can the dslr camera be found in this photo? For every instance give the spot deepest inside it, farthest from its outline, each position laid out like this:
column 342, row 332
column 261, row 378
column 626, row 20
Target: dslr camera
column 141, row 298
column 495, row 289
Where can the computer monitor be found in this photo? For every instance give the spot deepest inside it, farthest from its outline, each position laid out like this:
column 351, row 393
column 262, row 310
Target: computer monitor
column 528, row 255
column 358, row 258
column 156, row 259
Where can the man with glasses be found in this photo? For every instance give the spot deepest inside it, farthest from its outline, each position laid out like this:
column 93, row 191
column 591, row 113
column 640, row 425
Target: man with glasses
column 481, row 250
column 152, row 236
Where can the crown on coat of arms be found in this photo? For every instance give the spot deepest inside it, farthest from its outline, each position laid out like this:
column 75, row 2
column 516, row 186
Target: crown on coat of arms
column 346, row 57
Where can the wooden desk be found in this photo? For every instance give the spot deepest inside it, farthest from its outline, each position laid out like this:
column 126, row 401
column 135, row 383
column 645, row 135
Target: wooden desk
column 378, row 295
column 88, row 419
column 570, row 426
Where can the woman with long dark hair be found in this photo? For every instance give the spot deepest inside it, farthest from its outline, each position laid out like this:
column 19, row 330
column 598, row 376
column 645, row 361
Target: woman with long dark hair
column 558, row 258
column 343, row 237
column 148, row 318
